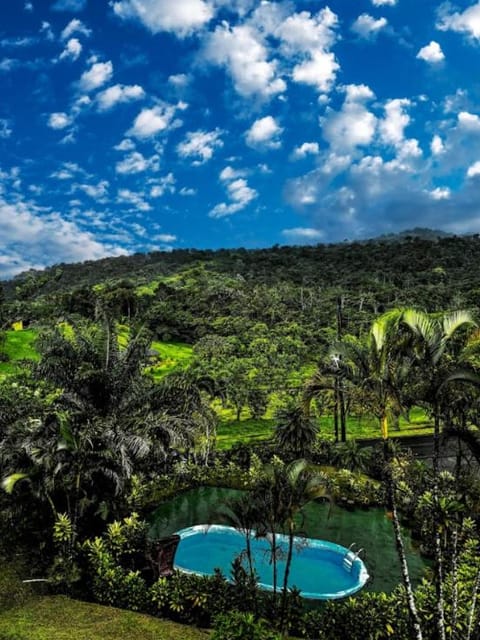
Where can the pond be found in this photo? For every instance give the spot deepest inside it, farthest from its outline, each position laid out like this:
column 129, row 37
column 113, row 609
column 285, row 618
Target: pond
column 369, row 529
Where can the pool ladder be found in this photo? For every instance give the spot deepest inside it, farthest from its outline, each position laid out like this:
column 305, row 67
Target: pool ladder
column 350, row 557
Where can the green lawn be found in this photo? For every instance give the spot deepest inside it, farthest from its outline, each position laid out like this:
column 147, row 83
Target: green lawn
column 249, row 430
column 59, row 618
column 18, row 346
column 172, row 356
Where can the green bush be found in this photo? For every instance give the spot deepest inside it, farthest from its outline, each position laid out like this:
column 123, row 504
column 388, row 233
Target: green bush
column 238, row 625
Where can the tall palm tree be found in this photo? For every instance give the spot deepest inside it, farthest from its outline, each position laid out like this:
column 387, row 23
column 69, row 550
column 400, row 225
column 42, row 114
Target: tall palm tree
column 380, row 365
column 433, row 337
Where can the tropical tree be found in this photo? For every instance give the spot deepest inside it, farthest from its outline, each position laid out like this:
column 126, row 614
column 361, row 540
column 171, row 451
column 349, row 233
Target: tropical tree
column 434, row 336
column 280, row 498
column 295, row 431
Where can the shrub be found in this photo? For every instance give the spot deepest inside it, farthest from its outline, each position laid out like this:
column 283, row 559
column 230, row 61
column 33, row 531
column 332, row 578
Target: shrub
column 237, row 625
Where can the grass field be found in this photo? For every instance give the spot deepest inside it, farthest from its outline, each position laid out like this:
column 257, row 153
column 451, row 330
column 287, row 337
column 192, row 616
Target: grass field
column 249, row 430
column 59, row 618
column 19, row 345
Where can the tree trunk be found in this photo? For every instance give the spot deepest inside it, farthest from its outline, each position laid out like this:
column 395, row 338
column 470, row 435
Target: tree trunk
column 343, row 418
column 335, row 411
column 286, row 576
column 471, row 613
column 412, row 607
column 439, row 600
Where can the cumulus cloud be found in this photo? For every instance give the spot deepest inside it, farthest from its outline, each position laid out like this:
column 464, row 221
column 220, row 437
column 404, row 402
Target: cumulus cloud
column 75, row 26
column 354, row 125
column 474, row 170
column 436, row 146
column 264, row 133
column 97, row 191
column 72, row 50
column 306, row 149
column 382, row 3
column 135, row 162
column 200, row 145
column 241, row 52
column 117, row 94
column 163, row 185
column 59, row 120
column 309, row 38
column 137, row 200
column 181, row 18
column 32, row 238
column 239, row 193
column 98, row 74
column 431, row 53
column 367, row 27
column 151, row 122
column 467, row 22
column 303, row 234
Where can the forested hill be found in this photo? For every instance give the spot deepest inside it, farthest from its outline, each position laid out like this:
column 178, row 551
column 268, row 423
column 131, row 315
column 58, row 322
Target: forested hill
column 185, row 293
column 389, row 259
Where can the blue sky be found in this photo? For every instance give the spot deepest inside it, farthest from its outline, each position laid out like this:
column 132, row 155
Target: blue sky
column 138, row 125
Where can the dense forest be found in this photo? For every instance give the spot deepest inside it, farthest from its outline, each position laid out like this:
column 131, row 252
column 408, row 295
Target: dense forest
column 127, row 381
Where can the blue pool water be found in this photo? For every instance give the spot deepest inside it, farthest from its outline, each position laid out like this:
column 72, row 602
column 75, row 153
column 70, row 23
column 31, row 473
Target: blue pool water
column 317, row 566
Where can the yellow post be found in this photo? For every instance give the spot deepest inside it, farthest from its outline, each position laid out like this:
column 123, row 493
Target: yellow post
column 384, row 427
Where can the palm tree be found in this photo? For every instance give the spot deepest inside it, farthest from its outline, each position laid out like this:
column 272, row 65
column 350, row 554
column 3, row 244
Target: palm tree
column 295, row 431
column 380, row 366
column 433, row 335
column 279, row 499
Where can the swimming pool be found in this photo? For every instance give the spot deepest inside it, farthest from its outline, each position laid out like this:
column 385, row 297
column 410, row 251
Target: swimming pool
column 321, row 570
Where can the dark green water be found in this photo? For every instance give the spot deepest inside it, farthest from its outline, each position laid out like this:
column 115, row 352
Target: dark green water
column 369, row 529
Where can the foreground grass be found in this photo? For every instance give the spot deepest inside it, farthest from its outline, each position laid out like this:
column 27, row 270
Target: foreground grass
column 59, row 618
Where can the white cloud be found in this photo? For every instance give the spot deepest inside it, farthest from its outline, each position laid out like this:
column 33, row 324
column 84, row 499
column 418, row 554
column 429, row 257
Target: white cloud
column 303, row 234
column 354, row 125
column 264, row 133
column 239, row 194
column 5, row 128
column 69, row 5
column 117, row 94
column 367, row 27
column 164, row 237
column 308, row 38
column 187, row 191
column 125, row 196
column 75, row 26
column 59, row 120
column 179, row 80
column 163, row 185
column 200, row 144
column 474, row 169
column 72, row 50
column 393, row 125
column 182, row 17
column 436, row 146
column 468, row 121
column 381, row 3
column 241, row 52
column 28, row 6
column 466, row 22
column 97, row 191
column 441, row 193
column 98, row 74
column 32, row 238
column 431, row 53
column 136, row 163
column 229, row 173
column 125, row 145
column 305, row 149
column 151, row 122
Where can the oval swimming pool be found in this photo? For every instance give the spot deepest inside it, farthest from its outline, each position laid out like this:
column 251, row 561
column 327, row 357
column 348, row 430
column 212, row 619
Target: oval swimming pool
column 321, row 570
